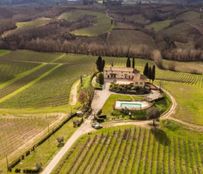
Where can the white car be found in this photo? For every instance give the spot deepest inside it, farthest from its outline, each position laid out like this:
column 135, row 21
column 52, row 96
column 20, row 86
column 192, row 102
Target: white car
column 96, row 125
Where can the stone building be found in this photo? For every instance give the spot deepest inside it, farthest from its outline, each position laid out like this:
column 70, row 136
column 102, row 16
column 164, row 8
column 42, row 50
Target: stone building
column 124, row 75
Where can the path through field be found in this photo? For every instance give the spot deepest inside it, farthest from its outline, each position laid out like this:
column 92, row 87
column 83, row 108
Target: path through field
column 74, row 93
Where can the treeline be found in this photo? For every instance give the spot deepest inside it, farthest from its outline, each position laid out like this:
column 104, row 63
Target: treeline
column 6, row 25
column 70, row 44
column 76, row 45
column 183, row 54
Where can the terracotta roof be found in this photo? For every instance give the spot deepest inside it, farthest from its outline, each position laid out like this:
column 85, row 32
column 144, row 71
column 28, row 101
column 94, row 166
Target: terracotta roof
column 126, row 69
column 143, row 77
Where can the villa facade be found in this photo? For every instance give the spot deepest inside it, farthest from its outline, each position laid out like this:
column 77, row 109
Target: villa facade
column 120, row 74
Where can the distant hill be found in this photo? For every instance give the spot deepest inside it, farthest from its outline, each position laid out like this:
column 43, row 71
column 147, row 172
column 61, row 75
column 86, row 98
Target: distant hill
column 125, row 1
column 30, row 1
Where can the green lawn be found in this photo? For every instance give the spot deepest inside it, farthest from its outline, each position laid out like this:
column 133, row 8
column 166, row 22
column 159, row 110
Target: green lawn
column 109, row 105
column 102, row 22
column 171, row 149
column 108, row 108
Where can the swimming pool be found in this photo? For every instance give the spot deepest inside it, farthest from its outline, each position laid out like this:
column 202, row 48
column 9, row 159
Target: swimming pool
column 132, row 105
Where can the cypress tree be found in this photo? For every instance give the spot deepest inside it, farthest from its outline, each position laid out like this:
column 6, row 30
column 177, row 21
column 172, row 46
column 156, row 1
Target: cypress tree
column 133, row 63
column 153, row 72
column 101, row 78
column 128, row 62
column 150, row 73
column 146, row 70
column 103, row 65
column 100, row 64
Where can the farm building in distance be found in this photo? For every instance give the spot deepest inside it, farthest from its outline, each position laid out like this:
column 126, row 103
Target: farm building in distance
column 128, row 75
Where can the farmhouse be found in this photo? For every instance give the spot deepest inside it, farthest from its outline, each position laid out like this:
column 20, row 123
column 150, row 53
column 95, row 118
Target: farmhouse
column 120, row 74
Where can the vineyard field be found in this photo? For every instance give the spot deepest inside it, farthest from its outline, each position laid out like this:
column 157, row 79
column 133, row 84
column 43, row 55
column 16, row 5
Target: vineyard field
column 133, row 150
column 10, row 70
column 17, row 131
column 23, row 81
column 30, row 56
column 101, row 23
column 53, row 89
column 45, row 151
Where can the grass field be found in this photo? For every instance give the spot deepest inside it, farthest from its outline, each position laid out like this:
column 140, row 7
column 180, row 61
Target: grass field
column 3, row 52
column 157, row 26
column 131, row 38
column 189, row 100
column 34, row 23
column 190, row 16
column 136, row 150
column 102, row 22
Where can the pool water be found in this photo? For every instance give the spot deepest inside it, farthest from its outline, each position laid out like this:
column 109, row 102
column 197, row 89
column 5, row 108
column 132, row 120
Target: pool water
column 132, row 105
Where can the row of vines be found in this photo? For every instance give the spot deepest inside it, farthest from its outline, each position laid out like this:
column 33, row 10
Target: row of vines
column 133, row 150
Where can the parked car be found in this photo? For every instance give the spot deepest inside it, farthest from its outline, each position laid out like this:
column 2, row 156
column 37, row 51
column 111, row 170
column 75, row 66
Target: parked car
column 96, row 125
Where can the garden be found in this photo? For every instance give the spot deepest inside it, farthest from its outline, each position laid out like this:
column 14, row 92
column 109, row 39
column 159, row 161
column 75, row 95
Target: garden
column 154, row 112
column 129, row 89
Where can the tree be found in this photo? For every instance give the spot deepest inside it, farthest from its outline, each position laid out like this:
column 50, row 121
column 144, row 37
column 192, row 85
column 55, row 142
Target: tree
column 103, row 65
column 133, row 63
column 38, row 166
column 60, row 141
column 154, row 114
column 100, row 78
column 153, row 73
column 146, row 70
column 100, row 64
column 128, row 62
column 81, row 80
column 149, row 73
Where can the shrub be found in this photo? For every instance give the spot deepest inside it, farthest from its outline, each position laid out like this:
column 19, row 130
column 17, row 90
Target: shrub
column 153, row 113
column 17, row 170
column 100, row 78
